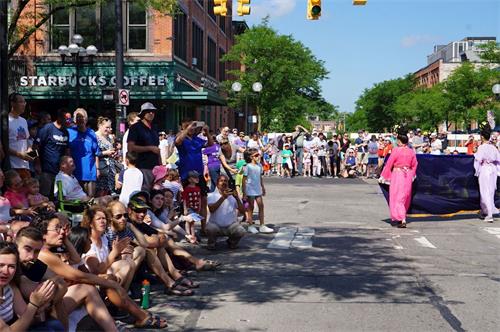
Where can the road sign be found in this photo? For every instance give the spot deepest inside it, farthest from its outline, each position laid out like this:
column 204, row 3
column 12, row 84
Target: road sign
column 123, row 97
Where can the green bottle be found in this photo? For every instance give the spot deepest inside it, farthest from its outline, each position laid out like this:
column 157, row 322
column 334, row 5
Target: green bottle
column 146, row 288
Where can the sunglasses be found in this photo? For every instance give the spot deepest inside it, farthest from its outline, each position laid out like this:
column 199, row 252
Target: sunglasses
column 256, row 155
column 120, row 215
column 140, row 210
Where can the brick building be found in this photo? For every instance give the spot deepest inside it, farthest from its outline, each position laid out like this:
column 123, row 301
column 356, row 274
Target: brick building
column 170, row 61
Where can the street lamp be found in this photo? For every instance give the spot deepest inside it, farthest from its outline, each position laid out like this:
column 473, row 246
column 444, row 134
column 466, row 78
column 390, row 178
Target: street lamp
column 237, row 87
column 79, row 55
column 496, row 91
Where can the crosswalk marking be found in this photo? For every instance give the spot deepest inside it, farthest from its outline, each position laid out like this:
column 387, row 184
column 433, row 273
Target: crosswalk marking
column 424, row 242
column 492, row 230
column 292, row 237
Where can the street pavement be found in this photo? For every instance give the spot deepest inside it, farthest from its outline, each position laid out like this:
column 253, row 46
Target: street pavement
column 336, row 264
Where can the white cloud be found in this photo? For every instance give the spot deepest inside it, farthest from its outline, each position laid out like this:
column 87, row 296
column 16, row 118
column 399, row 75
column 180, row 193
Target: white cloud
column 273, row 8
column 414, row 40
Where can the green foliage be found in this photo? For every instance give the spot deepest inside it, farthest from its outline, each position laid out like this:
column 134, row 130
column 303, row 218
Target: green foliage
column 491, row 52
column 377, row 104
column 22, row 20
column 290, row 75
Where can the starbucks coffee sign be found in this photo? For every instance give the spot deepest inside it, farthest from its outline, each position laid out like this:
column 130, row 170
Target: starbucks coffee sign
column 91, row 81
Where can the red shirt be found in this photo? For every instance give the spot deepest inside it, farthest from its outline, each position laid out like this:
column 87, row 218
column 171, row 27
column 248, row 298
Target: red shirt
column 192, row 197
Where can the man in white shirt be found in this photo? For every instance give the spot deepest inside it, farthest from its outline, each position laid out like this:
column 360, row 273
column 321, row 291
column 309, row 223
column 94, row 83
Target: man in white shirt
column 71, row 188
column 436, row 145
column 132, row 178
column 18, row 137
column 132, row 118
column 224, row 205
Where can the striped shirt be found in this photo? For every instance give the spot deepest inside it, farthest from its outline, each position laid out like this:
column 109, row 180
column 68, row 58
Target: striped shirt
column 112, row 235
column 7, row 305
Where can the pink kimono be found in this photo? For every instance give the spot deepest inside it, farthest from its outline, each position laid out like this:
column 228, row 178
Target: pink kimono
column 487, row 165
column 400, row 171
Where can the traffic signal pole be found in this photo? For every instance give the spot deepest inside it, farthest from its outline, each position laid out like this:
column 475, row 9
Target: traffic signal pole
column 119, row 63
column 4, row 79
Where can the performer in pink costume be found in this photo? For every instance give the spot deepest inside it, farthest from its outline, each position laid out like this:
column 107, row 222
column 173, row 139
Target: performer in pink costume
column 399, row 173
column 487, row 165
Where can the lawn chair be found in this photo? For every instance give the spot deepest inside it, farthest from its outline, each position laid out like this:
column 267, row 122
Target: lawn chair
column 72, row 208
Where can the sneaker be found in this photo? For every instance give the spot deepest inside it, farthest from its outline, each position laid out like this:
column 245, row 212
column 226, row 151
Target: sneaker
column 252, row 229
column 266, row 230
column 488, row 219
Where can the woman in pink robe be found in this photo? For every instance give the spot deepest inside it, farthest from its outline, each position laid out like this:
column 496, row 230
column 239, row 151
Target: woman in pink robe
column 399, row 172
column 487, row 166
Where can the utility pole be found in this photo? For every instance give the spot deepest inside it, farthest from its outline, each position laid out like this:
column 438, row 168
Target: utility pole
column 120, row 111
column 4, row 80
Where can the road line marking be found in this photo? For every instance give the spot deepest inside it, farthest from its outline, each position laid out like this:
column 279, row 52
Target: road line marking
column 424, row 242
column 283, row 238
column 492, row 230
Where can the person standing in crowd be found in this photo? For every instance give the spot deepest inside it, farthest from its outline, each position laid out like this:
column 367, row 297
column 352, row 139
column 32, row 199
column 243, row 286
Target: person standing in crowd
column 399, row 172
column 52, row 143
column 143, row 139
column 223, row 136
column 19, row 149
column 299, row 136
column 165, row 147
column 85, row 152
column 132, row 119
column 361, row 156
column 487, row 166
column 107, row 163
column 216, row 159
column 189, row 145
column 371, row 170
column 322, row 146
column 436, row 145
column 471, row 145
column 418, row 142
column 253, row 190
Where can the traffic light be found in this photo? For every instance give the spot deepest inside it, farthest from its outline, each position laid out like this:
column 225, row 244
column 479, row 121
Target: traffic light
column 359, row 2
column 220, row 7
column 313, row 9
column 243, row 7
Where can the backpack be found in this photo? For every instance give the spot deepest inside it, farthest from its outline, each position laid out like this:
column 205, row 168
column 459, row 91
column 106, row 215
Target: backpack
column 372, row 148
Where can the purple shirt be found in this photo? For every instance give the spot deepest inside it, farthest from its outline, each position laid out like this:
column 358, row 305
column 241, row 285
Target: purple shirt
column 213, row 153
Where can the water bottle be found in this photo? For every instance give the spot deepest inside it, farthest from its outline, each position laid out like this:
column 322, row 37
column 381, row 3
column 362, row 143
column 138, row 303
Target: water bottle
column 146, row 288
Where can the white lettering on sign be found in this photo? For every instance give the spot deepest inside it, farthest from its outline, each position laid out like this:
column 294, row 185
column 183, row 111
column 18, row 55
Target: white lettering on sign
column 98, row 81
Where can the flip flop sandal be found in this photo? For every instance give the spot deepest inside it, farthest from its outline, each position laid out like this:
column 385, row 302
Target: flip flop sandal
column 179, row 290
column 153, row 322
column 187, row 283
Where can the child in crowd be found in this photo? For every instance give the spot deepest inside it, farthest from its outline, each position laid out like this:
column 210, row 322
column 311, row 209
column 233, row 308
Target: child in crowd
column 191, row 196
column 132, row 178
column 173, row 183
column 316, row 163
column 253, row 190
column 160, row 173
column 307, row 164
column 286, row 160
column 35, row 199
column 239, row 176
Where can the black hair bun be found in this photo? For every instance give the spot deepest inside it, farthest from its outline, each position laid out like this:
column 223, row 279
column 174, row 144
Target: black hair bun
column 485, row 129
column 401, row 130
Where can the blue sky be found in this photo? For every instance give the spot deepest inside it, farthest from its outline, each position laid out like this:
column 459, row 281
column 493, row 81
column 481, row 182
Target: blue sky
column 383, row 40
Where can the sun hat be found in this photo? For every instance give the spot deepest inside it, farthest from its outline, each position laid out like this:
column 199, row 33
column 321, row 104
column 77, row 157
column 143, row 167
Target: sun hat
column 159, row 172
column 137, row 193
column 145, row 108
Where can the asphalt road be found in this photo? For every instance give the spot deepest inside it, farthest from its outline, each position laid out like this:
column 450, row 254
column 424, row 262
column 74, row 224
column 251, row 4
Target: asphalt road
column 357, row 273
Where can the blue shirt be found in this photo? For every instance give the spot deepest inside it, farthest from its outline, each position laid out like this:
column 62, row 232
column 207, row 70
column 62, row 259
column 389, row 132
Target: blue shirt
column 84, row 150
column 190, row 157
column 253, row 186
column 52, row 144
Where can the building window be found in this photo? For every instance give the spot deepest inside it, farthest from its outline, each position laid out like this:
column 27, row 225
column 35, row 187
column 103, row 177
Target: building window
column 222, row 23
column 210, row 10
column 180, row 36
column 197, row 50
column 212, row 58
column 96, row 24
column 136, row 27
column 222, row 66
column 60, row 28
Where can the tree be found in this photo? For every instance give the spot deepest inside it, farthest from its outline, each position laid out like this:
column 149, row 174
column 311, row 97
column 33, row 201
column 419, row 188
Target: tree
column 24, row 22
column 375, row 107
column 290, row 75
column 490, row 52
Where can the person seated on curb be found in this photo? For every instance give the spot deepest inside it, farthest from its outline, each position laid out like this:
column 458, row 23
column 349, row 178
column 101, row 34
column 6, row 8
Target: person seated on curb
column 171, row 246
column 15, row 313
column 72, row 190
column 29, row 241
column 141, row 234
column 224, row 205
column 82, row 289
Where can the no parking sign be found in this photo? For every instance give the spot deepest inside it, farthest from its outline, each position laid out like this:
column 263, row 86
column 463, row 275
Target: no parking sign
column 123, row 97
